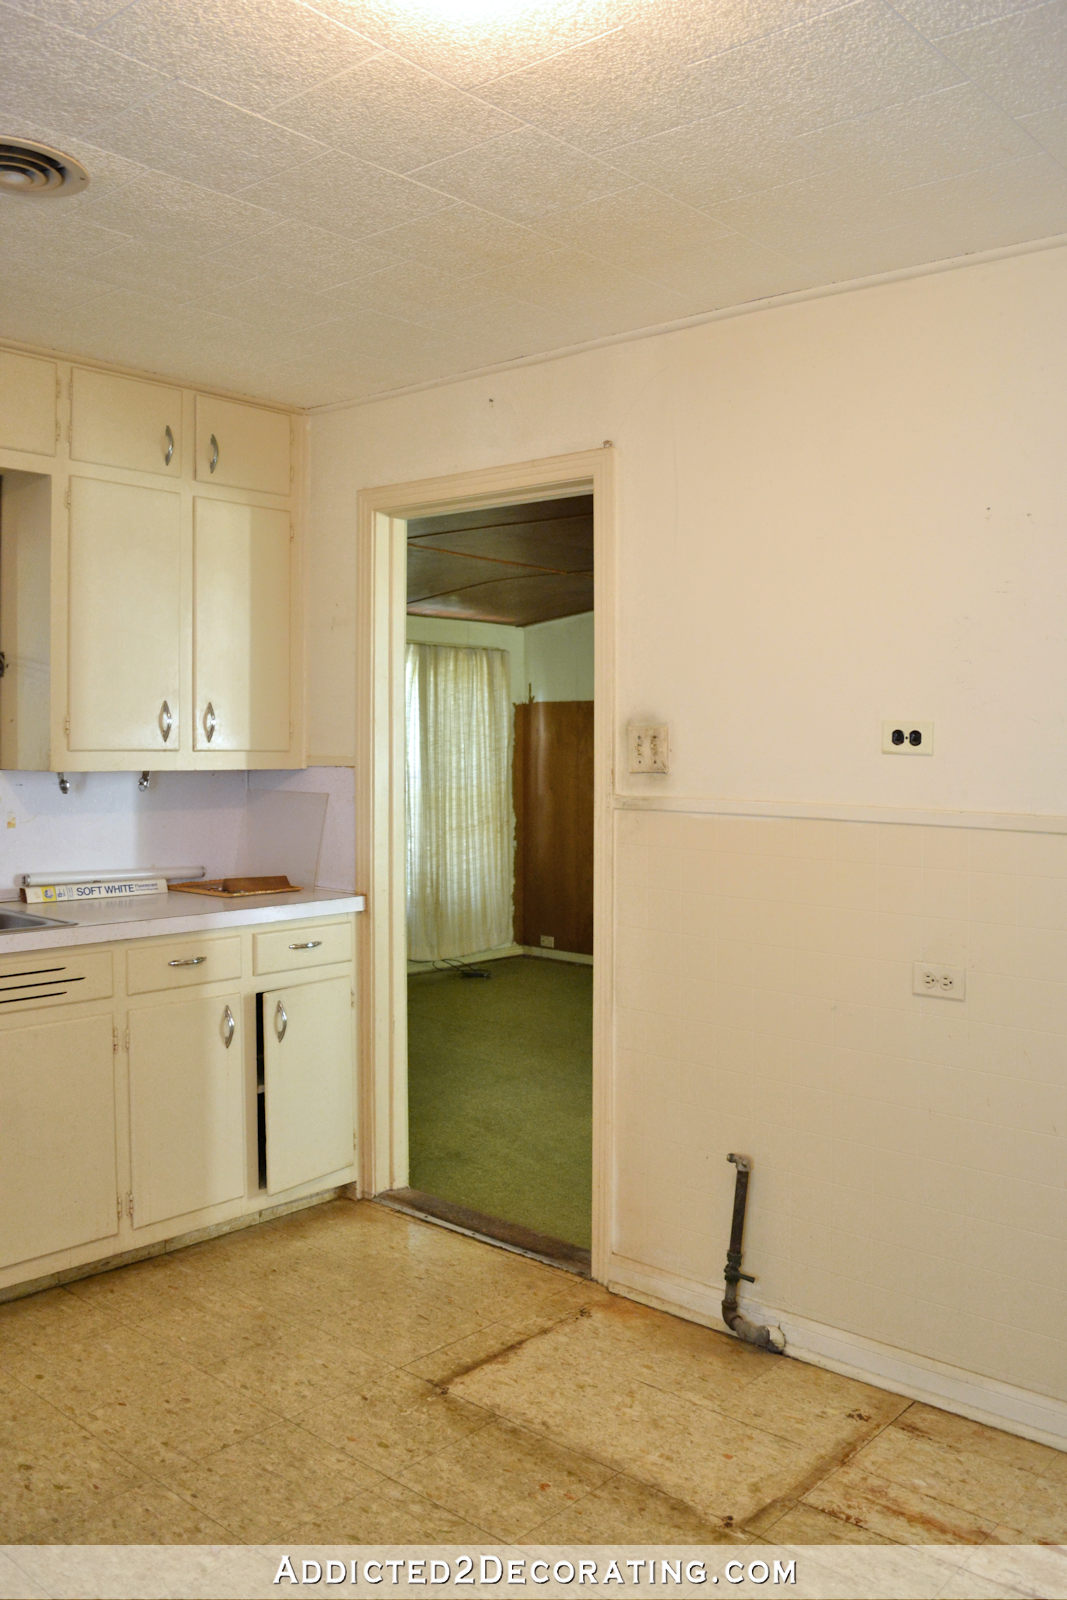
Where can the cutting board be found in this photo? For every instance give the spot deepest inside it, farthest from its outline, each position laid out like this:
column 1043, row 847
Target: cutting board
column 231, row 888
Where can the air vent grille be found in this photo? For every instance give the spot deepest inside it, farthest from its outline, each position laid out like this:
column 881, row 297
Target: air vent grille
column 36, row 172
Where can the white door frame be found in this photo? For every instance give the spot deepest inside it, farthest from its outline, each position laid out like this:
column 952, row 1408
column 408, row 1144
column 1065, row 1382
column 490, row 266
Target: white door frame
column 380, row 757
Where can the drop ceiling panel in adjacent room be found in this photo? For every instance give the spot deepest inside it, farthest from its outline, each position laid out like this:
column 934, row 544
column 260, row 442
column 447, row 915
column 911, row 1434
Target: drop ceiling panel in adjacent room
column 516, row 564
column 571, row 170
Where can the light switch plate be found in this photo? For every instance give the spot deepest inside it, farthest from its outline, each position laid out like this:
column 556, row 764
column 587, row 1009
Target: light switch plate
column 649, row 747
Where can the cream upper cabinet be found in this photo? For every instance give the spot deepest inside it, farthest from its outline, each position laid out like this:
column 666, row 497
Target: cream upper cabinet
column 243, row 447
column 28, row 388
column 125, row 422
column 124, row 617
column 241, row 627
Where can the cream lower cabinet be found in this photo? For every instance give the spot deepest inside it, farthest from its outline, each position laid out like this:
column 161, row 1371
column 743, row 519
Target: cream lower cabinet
column 187, row 1106
column 307, row 1082
column 154, row 1088
column 58, row 1152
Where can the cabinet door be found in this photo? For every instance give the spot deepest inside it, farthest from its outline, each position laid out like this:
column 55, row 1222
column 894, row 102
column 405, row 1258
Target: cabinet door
column 187, row 1120
column 242, row 446
column 58, row 1180
column 124, row 616
column 307, row 1081
column 27, row 404
column 125, row 422
column 241, row 669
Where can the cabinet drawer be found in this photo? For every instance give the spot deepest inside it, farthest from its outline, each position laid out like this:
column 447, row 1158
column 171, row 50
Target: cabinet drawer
column 27, row 404
column 289, row 949
column 53, row 978
column 241, row 446
column 125, row 422
column 175, row 964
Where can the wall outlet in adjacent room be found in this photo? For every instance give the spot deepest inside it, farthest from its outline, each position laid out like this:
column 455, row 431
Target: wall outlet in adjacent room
column 548, row 941
column 907, row 738
column 947, row 983
column 648, row 746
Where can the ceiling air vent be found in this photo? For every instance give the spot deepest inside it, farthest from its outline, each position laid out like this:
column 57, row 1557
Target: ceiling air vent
column 35, row 171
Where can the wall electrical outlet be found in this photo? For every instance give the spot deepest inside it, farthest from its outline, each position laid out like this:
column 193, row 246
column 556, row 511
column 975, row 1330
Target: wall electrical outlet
column 947, row 983
column 907, row 738
column 649, row 749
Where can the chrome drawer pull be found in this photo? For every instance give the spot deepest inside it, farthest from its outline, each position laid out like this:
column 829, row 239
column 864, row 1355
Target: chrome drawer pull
column 281, row 1022
column 210, row 721
column 168, row 454
column 312, row 944
column 229, row 1027
column 166, row 721
column 188, row 961
column 214, row 454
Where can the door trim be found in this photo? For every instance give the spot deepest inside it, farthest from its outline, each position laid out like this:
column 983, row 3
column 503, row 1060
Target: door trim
column 381, row 578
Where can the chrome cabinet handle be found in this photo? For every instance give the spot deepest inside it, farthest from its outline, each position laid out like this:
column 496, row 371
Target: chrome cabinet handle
column 312, row 944
column 229, row 1027
column 281, row 1022
column 166, row 721
column 213, row 463
column 189, row 961
column 210, row 721
column 168, row 454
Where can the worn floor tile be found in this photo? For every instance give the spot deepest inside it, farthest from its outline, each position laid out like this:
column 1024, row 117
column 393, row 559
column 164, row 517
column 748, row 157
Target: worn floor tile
column 393, row 1421
column 803, row 1524
column 390, row 1513
column 626, row 1511
column 576, row 1389
column 827, row 1412
column 452, row 1360
column 193, row 1415
column 308, row 1370
column 960, row 1433
column 895, row 1510
column 505, row 1479
column 147, row 1514
column 966, row 1478
column 50, row 1469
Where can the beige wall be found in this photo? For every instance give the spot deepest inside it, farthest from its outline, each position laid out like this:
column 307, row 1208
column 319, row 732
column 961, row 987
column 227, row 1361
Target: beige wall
column 559, row 658
column 829, row 513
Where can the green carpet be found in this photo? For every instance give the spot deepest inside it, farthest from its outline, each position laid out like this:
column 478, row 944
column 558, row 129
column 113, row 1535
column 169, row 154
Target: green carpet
column 500, row 1092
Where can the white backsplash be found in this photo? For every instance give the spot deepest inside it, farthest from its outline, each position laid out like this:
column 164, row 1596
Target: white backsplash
column 298, row 823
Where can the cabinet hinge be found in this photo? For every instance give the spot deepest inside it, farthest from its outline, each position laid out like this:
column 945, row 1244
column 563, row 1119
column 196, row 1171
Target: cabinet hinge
column 126, row 1040
column 115, row 1041
column 66, row 497
column 66, row 726
column 120, row 1205
column 129, row 1207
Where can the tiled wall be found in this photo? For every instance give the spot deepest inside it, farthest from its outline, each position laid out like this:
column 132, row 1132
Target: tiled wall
column 910, row 1153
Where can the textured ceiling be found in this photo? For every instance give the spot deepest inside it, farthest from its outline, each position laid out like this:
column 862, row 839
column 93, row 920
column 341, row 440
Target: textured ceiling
column 512, row 564
column 322, row 202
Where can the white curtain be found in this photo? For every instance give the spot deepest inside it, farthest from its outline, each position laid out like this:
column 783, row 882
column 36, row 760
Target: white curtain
column 459, row 817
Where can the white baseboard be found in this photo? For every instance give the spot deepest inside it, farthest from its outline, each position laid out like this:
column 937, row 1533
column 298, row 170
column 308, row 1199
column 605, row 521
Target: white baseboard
column 557, row 955
column 969, row 1394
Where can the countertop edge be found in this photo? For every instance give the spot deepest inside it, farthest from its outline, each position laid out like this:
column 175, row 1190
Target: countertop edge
column 173, row 913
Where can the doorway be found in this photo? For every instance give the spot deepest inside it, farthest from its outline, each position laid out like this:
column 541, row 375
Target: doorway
column 385, row 518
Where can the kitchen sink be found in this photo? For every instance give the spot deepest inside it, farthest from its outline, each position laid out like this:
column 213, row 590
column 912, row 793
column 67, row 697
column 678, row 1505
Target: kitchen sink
column 27, row 921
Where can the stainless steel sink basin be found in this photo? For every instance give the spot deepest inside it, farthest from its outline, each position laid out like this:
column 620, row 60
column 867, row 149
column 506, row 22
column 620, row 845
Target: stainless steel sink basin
column 27, row 921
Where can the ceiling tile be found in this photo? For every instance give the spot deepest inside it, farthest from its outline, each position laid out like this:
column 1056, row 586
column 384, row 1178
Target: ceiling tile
column 50, row 75
column 1021, row 60
column 609, row 91
column 936, row 18
column 298, row 254
column 393, row 114
column 840, row 65
column 166, row 209
column 267, row 299
column 638, row 229
column 732, row 271
column 790, row 217
column 474, row 50
column 459, row 238
column 738, row 152
column 253, row 53
column 690, row 30
column 1049, row 128
column 166, row 271
column 342, row 195
column 412, row 291
column 48, row 236
column 956, row 130
column 521, row 175
column 81, row 16
column 204, row 140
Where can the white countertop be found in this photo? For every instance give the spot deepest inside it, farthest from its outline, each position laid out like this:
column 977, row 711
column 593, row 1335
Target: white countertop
column 145, row 916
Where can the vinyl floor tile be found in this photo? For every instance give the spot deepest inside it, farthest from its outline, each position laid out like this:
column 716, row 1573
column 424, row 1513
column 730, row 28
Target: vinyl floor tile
column 392, row 1422
column 903, row 1514
column 505, row 1479
column 626, row 1511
